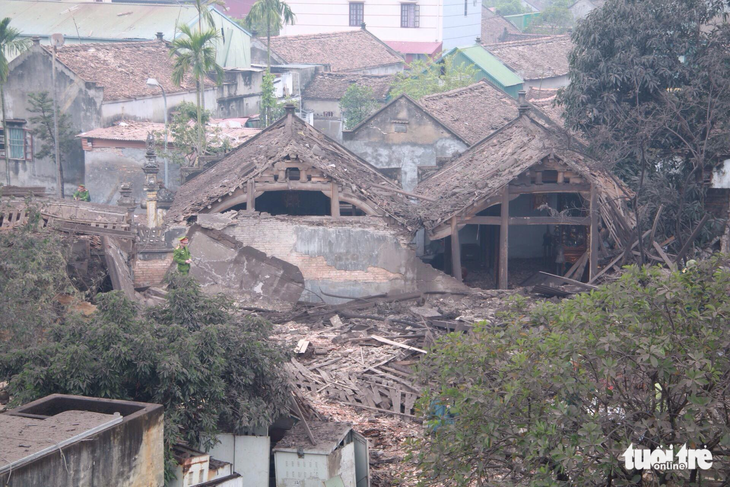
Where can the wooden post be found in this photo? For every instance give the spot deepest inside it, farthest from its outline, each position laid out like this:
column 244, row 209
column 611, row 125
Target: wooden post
column 594, row 236
column 335, row 201
column 504, row 240
column 250, row 196
column 455, row 250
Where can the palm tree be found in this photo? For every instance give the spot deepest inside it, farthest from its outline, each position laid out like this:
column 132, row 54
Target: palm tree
column 10, row 44
column 274, row 13
column 194, row 54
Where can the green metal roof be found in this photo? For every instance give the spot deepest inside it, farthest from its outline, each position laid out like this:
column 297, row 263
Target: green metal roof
column 491, row 65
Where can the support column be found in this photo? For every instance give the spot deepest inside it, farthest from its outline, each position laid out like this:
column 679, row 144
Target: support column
column 504, row 240
column 455, row 250
column 250, row 195
column 335, row 200
column 594, row 236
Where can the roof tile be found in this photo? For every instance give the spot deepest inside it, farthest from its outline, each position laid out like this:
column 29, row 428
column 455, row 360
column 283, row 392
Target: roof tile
column 332, row 86
column 544, row 57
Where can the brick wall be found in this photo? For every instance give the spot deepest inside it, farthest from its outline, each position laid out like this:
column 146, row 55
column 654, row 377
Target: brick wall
column 150, row 270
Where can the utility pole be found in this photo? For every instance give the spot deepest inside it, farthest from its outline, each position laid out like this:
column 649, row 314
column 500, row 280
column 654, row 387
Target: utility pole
column 56, row 40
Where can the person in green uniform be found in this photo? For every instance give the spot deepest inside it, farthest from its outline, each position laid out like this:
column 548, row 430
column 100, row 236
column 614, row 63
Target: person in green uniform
column 82, row 194
column 182, row 256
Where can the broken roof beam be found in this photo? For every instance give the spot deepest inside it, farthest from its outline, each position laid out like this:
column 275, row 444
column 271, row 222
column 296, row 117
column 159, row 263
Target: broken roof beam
column 549, row 188
column 528, row 220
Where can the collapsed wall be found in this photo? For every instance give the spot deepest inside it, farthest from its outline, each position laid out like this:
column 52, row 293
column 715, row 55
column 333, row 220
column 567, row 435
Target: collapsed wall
column 339, row 259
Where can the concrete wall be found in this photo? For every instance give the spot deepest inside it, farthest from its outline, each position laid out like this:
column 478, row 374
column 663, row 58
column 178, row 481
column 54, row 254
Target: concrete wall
column 425, row 142
column 331, row 125
column 547, row 83
column 351, row 256
column 130, row 454
column 461, row 30
column 248, row 454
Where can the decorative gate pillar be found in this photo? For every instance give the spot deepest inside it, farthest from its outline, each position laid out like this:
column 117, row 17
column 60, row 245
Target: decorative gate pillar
column 151, row 186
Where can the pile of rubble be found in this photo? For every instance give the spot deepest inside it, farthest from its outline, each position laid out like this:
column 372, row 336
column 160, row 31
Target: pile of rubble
column 354, row 362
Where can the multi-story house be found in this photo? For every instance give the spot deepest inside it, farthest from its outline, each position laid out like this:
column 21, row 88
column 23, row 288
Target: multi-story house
column 414, row 28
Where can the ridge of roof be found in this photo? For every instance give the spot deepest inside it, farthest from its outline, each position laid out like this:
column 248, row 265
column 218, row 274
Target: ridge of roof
column 532, row 40
column 417, row 105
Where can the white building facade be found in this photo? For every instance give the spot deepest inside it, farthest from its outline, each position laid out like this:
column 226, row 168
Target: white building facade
column 455, row 23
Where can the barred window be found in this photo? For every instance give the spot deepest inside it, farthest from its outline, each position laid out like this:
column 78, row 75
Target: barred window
column 410, row 15
column 357, row 14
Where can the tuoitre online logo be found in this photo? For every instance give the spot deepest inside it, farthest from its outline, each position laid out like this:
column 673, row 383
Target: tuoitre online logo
column 684, row 459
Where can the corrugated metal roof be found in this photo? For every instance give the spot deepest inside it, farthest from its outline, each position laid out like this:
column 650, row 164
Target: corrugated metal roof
column 490, row 64
column 97, row 20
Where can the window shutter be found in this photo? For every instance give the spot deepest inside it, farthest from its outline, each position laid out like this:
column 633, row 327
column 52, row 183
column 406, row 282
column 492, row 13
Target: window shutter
column 403, row 15
column 28, row 146
column 418, row 16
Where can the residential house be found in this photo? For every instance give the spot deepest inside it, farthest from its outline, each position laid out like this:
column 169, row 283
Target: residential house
column 309, row 202
column 475, row 111
column 197, row 468
column 422, row 23
column 404, row 141
column 541, row 62
column 582, row 8
column 116, row 154
column 496, row 28
column 488, row 67
column 97, row 22
column 324, row 92
column 100, row 84
column 238, row 9
column 76, row 441
column 500, row 199
column 357, row 51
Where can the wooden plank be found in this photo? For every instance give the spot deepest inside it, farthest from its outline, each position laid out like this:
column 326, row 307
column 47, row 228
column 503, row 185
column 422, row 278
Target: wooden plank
column 605, row 269
column 400, row 191
column 396, row 344
column 395, row 399
column 565, row 280
column 664, row 256
column 550, row 188
column 455, row 250
column 593, row 235
column 335, row 200
column 527, row 220
column 384, row 411
column 656, row 223
column 577, row 264
column 91, row 230
column 691, row 239
column 504, row 240
column 410, row 400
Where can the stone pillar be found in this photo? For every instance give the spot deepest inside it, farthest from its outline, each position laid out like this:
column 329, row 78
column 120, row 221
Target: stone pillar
column 126, row 200
column 151, row 186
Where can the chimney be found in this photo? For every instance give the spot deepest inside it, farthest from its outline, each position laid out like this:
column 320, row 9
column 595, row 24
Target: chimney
column 36, row 40
column 160, row 36
column 479, row 40
column 290, row 108
column 362, row 26
column 522, row 102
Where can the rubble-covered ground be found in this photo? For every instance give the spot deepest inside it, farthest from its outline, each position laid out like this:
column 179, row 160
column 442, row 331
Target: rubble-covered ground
column 354, row 363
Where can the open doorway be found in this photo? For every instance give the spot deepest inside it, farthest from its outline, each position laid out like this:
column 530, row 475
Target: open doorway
column 295, row 203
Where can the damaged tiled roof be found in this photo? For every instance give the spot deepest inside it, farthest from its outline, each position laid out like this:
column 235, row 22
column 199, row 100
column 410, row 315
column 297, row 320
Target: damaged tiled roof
column 494, row 25
column 544, row 57
column 484, row 169
column 473, row 112
column 342, row 51
column 291, row 138
column 231, row 130
column 332, row 86
column 123, row 68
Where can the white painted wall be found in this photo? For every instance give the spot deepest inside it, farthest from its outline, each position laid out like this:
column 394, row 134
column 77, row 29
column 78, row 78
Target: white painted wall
column 151, row 108
column 441, row 20
column 249, row 456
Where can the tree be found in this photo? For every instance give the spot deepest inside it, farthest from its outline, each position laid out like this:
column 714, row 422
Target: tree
column 43, row 131
column 268, row 98
column 210, row 367
column 193, row 54
column 274, row 14
column 650, row 85
column 509, row 7
column 32, row 277
column 357, row 104
column 10, row 45
column 554, row 396
column 428, row 77
column 556, row 18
